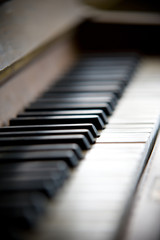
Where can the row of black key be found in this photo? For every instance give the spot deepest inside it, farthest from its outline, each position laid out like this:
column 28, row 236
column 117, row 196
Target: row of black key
column 49, row 137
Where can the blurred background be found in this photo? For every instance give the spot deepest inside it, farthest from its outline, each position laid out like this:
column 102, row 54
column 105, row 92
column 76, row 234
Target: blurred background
column 127, row 5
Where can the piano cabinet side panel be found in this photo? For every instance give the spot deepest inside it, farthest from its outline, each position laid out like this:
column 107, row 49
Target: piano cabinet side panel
column 24, row 86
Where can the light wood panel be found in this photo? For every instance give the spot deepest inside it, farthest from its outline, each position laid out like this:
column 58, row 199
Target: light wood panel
column 24, row 86
column 26, row 26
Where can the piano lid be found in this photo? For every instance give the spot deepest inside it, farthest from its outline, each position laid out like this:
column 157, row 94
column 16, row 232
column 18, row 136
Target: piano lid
column 27, row 26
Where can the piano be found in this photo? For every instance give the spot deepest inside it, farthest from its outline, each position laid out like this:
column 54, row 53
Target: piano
column 79, row 116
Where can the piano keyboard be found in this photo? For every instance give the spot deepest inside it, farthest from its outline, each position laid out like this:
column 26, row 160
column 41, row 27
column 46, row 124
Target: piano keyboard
column 48, row 154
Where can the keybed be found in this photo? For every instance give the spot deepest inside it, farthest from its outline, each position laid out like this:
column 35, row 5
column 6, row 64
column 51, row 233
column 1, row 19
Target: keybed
column 95, row 198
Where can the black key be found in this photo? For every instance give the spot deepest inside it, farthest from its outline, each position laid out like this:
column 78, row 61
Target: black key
column 100, row 74
column 51, row 112
column 112, row 88
column 79, row 94
column 104, row 63
column 110, row 68
column 60, row 96
column 20, row 210
column 110, row 101
column 81, row 140
column 69, row 106
column 106, row 58
column 35, row 166
column 110, row 74
column 84, row 132
column 45, row 182
column 46, row 147
column 102, row 69
column 66, row 155
column 32, row 174
column 103, row 76
column 99, row 71
column 22, row 128
column 87, row 83
column 95, row 120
